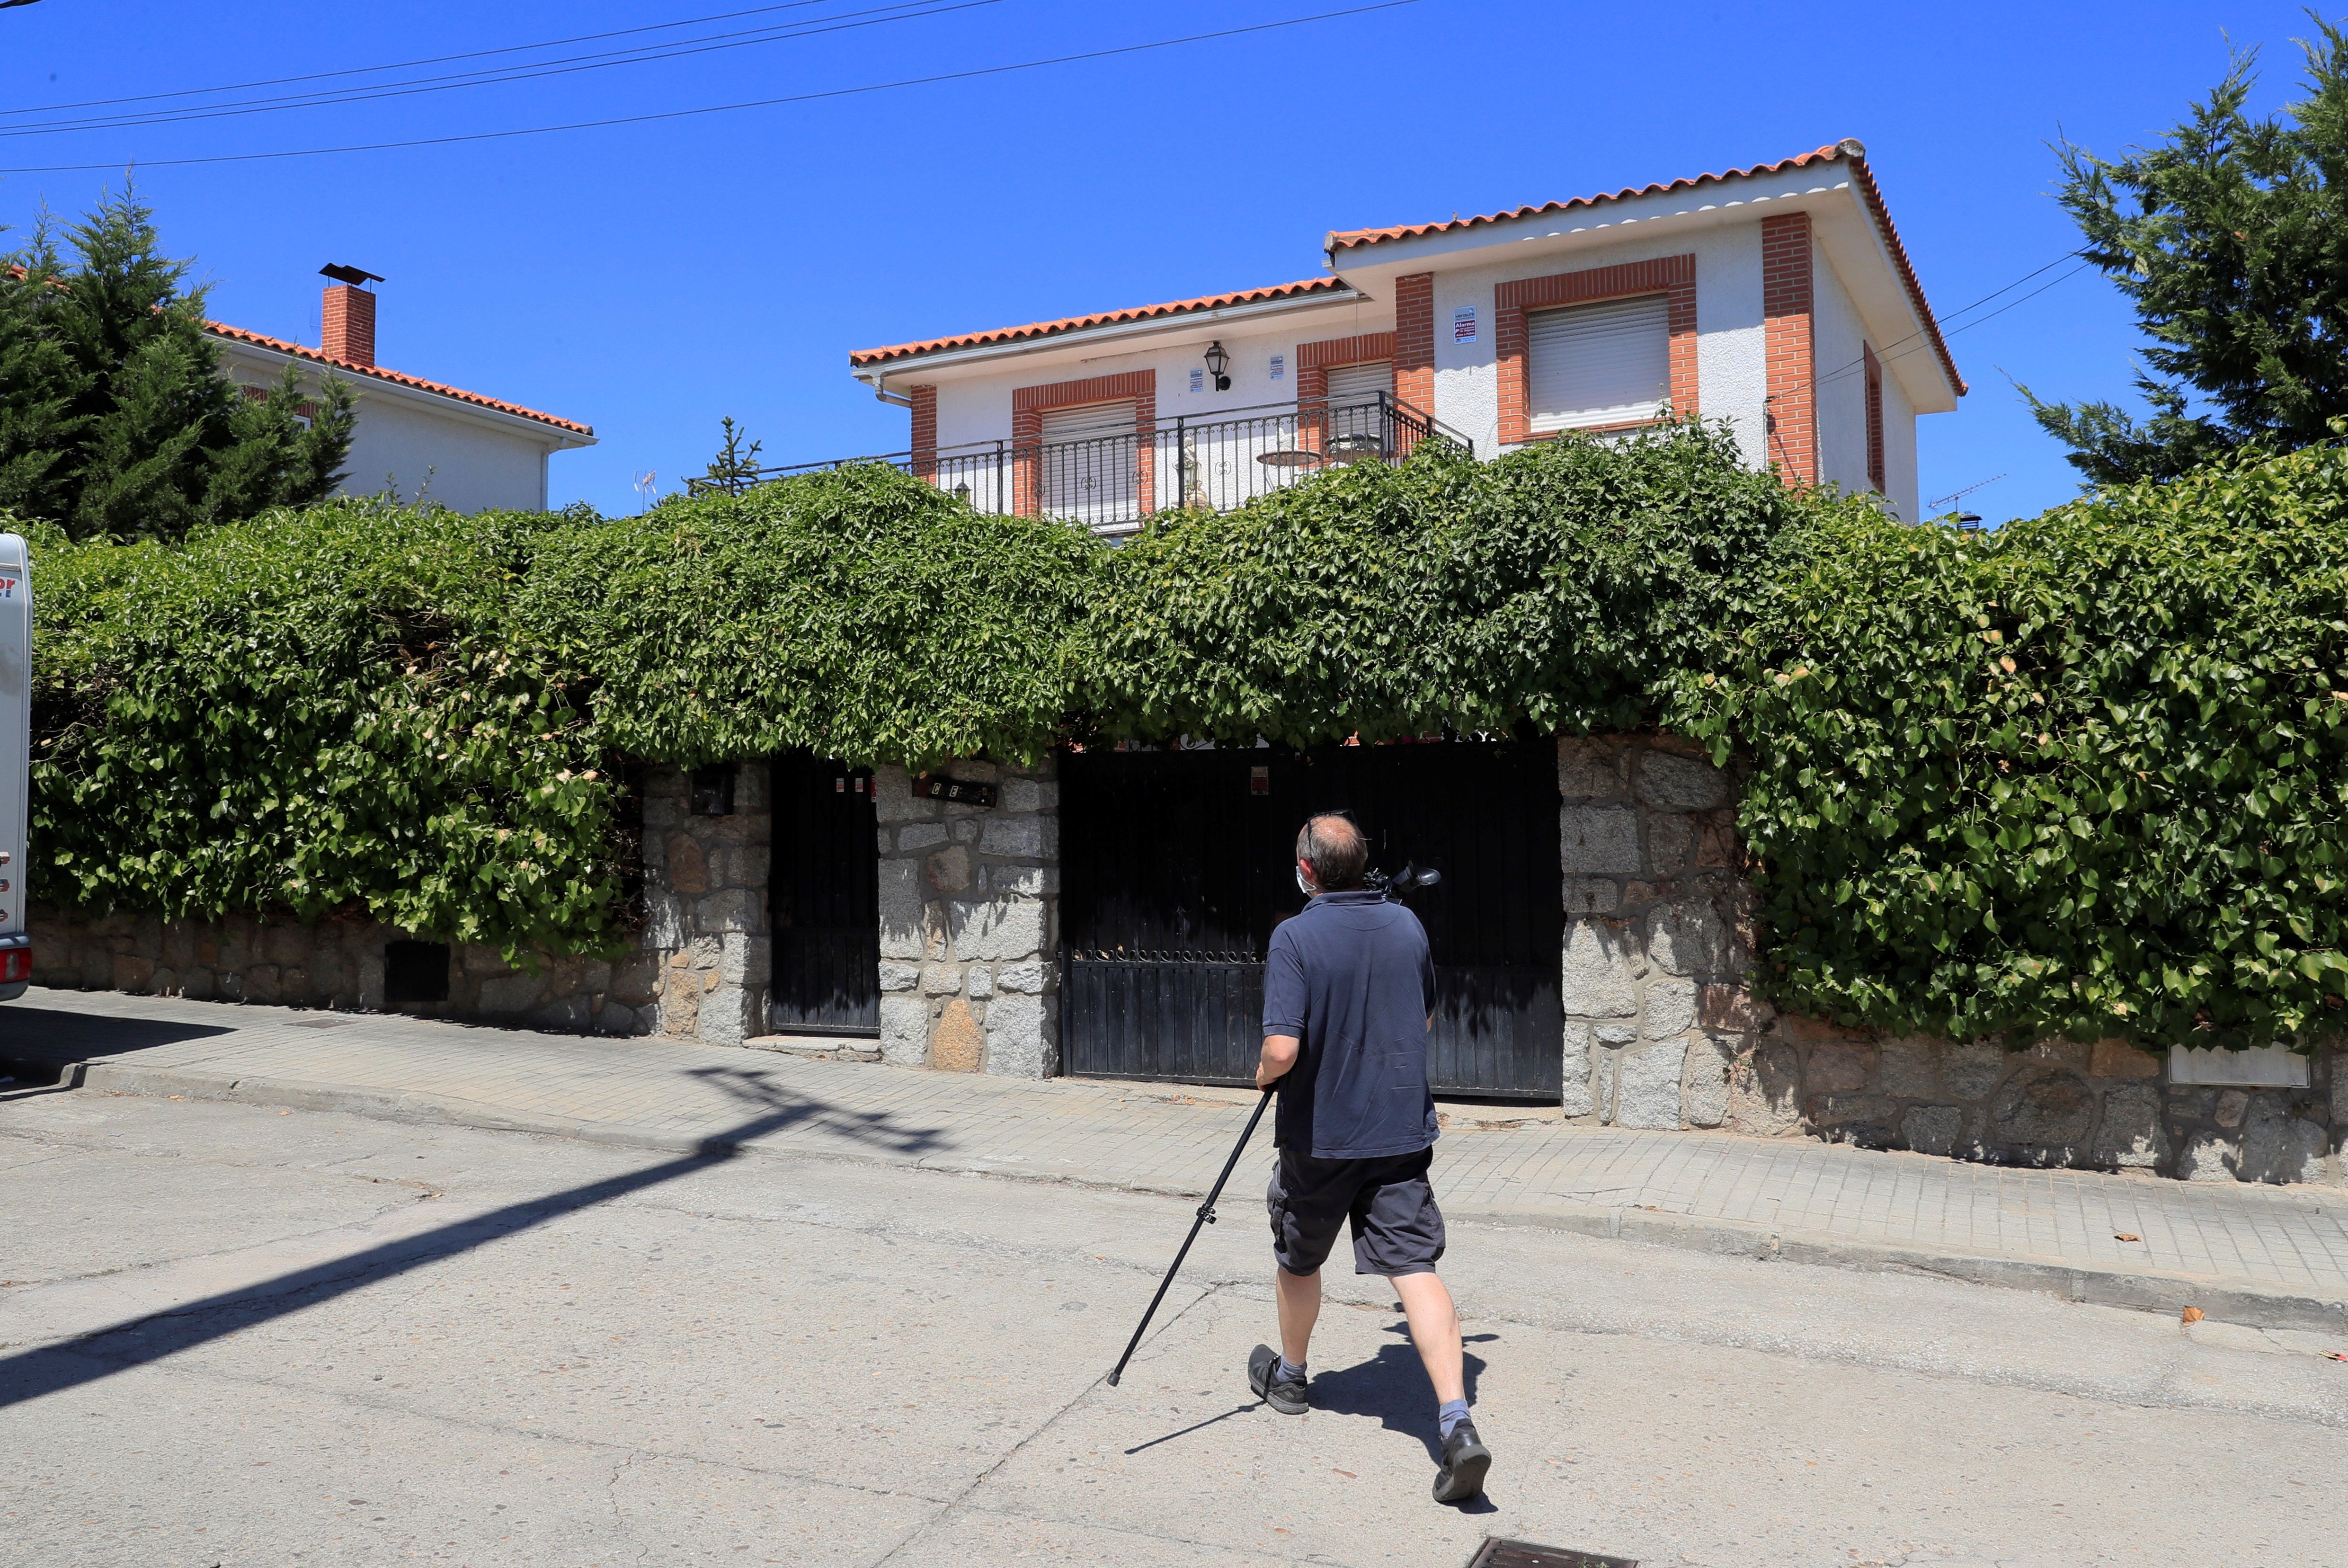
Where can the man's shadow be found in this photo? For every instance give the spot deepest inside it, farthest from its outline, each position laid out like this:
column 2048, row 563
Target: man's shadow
column 1392, row 1387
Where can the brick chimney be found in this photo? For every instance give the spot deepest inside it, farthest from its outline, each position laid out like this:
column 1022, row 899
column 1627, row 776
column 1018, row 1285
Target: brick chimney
column 347, row 325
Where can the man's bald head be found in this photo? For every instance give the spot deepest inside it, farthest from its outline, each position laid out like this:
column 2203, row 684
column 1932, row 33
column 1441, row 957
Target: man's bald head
column 1335, row 850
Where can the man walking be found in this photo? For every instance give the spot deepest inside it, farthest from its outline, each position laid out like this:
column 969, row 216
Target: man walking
column 1348, row 999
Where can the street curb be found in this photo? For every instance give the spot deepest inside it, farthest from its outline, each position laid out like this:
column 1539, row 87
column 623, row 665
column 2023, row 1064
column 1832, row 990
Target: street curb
column 2164, row 1291
column 2144, row 1290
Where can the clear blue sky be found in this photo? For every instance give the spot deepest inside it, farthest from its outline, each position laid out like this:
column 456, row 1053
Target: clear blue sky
column 648, row 279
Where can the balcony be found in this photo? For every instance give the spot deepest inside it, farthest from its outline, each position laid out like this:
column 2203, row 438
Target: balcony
column 1109, row 482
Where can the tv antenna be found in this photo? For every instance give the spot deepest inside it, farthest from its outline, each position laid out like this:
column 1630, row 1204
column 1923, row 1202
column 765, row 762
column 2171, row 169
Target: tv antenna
column 1955, row 496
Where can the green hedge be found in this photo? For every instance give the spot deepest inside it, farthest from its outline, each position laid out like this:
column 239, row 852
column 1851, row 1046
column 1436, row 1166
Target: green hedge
column 1559, row 587
column 318, row 710
column 2081, row 776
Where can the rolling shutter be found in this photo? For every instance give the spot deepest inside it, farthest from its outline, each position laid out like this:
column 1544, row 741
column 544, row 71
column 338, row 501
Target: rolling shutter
column 1360, row 383
column 1605, row 363
column 1088, row 463
column 1089, row 422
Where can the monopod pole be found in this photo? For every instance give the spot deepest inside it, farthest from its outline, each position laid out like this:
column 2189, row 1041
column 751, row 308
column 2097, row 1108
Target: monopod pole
column 1206, row 1217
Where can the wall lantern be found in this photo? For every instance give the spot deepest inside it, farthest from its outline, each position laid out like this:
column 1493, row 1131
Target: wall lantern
column 1219, row 362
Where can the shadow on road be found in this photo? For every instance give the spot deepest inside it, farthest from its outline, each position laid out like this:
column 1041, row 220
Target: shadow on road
column 89, row 1357
column 1392, row 1387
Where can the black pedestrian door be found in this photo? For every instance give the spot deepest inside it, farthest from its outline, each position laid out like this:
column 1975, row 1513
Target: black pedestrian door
column 1178, row 864
column 824, row 900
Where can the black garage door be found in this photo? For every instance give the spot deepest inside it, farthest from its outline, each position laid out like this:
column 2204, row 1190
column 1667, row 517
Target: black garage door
column 1178, row 864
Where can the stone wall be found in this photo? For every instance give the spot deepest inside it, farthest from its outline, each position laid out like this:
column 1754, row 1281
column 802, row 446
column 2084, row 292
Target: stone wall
column 696, row 971
column 1662, row 1030
column 338, row 963
column 706, row 932
column 968, row 920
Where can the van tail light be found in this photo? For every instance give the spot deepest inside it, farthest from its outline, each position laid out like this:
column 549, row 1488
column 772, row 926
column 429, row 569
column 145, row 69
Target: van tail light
column 15, row 964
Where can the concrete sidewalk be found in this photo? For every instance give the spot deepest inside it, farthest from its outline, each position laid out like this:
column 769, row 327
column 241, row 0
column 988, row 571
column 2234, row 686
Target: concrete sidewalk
column 2266, row 1257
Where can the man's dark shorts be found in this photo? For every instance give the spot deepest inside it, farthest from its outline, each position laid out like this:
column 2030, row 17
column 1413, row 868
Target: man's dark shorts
column 1397, row 1229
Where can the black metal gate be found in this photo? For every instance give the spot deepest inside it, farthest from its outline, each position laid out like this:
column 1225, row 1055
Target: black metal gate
column 824, row 897
column 1178, row 864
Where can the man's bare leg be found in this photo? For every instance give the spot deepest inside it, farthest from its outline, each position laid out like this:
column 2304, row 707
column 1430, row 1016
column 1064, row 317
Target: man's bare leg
column 1300, row 1308
column 1434, row 1328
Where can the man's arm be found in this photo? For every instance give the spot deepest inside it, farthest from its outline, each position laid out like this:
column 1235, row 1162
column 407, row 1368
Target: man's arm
column 1285, row 1006
column 1279, row 1056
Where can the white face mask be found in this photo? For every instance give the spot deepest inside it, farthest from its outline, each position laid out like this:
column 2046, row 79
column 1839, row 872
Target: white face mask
column 1302, row 886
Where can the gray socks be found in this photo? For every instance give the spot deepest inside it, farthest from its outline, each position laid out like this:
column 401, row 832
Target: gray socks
column 1452, row 1413
column 1286, row 1370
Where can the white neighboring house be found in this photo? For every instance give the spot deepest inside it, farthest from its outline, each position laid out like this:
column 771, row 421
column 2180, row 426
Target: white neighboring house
column 1776, row 297
column 412, row 436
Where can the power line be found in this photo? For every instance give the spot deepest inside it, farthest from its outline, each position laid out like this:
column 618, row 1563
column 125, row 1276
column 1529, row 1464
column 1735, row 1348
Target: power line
column 1913, row 347
column 410, row 65
column 1910, row 344
column 723, row 107
column 904, row 11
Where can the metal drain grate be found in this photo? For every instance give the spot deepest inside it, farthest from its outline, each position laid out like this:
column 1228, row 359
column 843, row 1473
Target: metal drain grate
column 1498, row 1553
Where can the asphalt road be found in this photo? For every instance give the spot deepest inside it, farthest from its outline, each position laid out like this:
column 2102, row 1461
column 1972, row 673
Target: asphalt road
column 234, row 1336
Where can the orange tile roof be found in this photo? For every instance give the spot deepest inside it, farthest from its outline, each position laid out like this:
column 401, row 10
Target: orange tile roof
column 1852, row 152
column 400, row 378
column 1302, row 288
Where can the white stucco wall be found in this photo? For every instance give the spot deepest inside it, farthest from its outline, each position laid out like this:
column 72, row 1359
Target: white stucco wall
column 1839, row 342
column 1899, row 452
column 1731, row 351
column 978, row 408
column 415, row 445
column 412, row 453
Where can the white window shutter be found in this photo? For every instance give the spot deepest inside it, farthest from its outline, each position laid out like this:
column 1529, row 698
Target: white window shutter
column 1360, row 383
column 1607, row 364
column 1089, row 463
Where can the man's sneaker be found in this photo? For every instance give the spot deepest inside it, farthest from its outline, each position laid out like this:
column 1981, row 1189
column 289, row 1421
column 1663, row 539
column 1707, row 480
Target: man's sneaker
column 1285, row 1395
column 1465, row 1461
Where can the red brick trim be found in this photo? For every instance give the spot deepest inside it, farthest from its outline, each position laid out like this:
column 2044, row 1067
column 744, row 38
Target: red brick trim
column 1673, row 278
column 1874, row 417
column 925, row 430
column 1414, row 338
column 1027, row 407
column 1786, row 286
column 1314, row 362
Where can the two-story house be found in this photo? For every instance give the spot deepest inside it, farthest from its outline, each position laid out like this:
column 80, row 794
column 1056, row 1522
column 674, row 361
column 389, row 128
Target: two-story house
column 1776, row 297
column 1109, row 914
column 414, row 439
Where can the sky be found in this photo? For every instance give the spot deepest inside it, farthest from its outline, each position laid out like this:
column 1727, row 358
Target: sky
column 650, row 278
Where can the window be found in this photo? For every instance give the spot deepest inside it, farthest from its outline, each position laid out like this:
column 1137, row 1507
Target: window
column 1087, row 464
column 1360, row 383
column 1874, row 418
column 1608, row 364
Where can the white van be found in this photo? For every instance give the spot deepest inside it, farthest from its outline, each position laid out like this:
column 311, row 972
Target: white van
column 15, row 760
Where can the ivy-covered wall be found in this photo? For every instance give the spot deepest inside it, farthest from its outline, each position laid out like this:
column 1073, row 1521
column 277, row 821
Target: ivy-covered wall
column 2079, row 777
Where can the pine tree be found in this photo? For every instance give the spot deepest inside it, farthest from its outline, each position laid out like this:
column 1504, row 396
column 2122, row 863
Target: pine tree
column 115, row 419
column 734, row 469
column 2230, row 239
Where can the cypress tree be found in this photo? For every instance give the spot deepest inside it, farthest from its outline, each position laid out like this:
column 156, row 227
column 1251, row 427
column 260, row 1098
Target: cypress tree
column 115, row 419
column 2229, row 237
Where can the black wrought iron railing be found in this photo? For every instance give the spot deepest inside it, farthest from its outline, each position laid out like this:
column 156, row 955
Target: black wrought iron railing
column 1110, row 482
